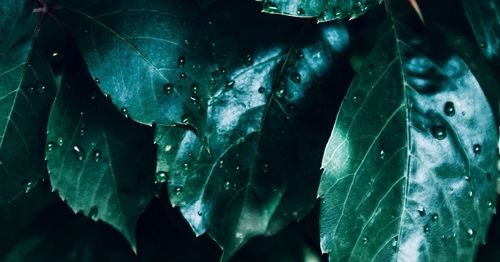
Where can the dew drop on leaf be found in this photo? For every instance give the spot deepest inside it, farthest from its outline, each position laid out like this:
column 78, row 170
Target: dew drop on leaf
column 185, row 119
column 230, row 84
column 168, row 88
column 477, row 148
column 262, row 89
column 421, row 211
column 93, row 212
column 178, row 190
column 96, row 155
column 280, row 93
column 382, row 154
column 41, row 87
column 182, row 76
column 50, row 146
column 181, row 61
column 161, row 177
column 78, row 152
column 365, row 240
column 426, row 228
column 470, row 194
column 296, row 78
column 434, row 217
column 270, row 6
column 124, row 112
column 186, row 165
column 248, row 59
column 471, row 233
column 27, row 185
column 449, row 109
column 60, row 141
column 227, row 185
column 300, row 11
column 439, row 132
column 194, row 89
column 97, row 80
column 395, row 243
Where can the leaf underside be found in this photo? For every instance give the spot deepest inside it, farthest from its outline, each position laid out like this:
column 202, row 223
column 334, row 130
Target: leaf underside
column 409, row 168
column 100, row 162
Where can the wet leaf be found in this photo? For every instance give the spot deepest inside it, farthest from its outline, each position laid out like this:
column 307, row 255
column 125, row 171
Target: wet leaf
column 405, row 177
column 320, row 9
column 27, row 88
column 102, row 164
column 267, row 119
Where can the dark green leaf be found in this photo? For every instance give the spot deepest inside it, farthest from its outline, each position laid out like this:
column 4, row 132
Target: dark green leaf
column 484, row 17
column 323, row 10
column 27, row 88
column 100, row 162
column 16, row 20
column 409, row 171
column 266, row 122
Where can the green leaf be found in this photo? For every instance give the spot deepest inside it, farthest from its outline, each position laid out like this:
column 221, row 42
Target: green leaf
column 323, row 10
column 259, row 167
column 16, row 19
column 100, row 162
column 27, row 88
column 409, row 170
column 484, row 18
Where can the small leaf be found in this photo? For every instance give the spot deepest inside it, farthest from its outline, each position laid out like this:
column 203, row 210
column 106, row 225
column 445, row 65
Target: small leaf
column 102, row 163
column 323, row 10
column 403, row 179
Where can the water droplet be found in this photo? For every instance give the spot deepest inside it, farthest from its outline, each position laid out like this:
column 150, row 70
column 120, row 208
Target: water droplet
column 427, row 228
column 182, row 76
column 199, row 213
column 168, row 88
column 477, row 148
column 181, row 61
column 471, row 233
column 449, row 109
column 439, row 132
column 248, row 59
column 482, row 44
column 41, row 87
column 300, row 11
column 230, row 84
column 27, row 185
column 186, row 165
column 221, row 162
column 295, row 78
column 280, row 93
column 31, row 89
column 177, row 190
column 262, row 89
column 96, row 155
column 434, row 217
column 265, row 168
column 60, row 141
column 395, row 243
column 185, row 119
column 355, row 98
column 470, row 194
column 239, row 235
column 382, row 154
column 50, row 146
column 124, row 112
column 270, row 6
column 365, row 240
column 78, row 152
column 227, row 185
column 421, row 211
column 194, row 89
column 55, row 54
column 161, row 177
column 467, row 178
column 93, row 212
column 97, row 80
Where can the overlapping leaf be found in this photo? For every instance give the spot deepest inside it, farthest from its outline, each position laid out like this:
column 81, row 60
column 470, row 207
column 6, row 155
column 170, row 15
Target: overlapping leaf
column 100, row 162
column 323, row 10
column 484, row 18
column 409, row 169
column 259, row 166
column 26, row 91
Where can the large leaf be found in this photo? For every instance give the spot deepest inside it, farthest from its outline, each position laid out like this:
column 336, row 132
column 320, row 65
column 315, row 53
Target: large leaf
column 16, row 18
column 409, row 170
column 484, row 17
column 100, row 162
column 26, row 91
column 323, row 10
column 265, row 128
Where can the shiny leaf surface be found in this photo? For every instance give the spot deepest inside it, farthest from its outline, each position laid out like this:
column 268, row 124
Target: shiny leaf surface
column 100, row 162
column 259, row 167
column 323, row 10
column 16, row 18
column 409, row 170
column 26, row 91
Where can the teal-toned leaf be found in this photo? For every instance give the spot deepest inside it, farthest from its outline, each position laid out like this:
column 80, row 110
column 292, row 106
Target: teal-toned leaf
column 323, row 10
column 409, row 170
column 258, row 168
column 26, row 91
column 100, row 162
column 484, row 18
column 16, row 18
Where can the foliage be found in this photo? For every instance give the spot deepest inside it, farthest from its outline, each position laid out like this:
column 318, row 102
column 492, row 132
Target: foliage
column 127, row 109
